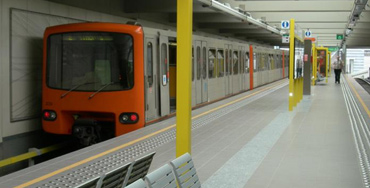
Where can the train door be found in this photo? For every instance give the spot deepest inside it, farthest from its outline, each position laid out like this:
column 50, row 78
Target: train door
column 172, row 49
column 204, row 77
column 266, row 69
column 193, row 79
column 163, row 70
column 272, row 68
column 247, row 69
column 242, row 84
column 198, row 71
column 262, row 69
column 255, row 69
column 151, row 91
column 228, row 71
column 235, row 70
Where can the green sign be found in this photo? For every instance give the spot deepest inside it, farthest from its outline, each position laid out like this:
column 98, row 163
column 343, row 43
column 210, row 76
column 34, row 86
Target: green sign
column 333, row 49
column 339, row 37
column 285, row 35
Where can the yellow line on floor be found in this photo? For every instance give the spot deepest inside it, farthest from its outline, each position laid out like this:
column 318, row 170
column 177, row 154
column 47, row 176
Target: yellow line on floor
column 135, row 141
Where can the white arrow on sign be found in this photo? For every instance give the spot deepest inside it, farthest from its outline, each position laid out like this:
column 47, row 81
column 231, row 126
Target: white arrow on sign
column 285, row 24
column 308, row 33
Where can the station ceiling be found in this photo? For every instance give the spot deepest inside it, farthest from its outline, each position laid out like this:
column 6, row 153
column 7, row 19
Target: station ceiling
column 325, row 19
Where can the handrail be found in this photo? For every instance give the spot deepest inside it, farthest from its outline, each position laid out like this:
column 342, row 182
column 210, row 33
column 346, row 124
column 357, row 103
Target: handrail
column 34, row 152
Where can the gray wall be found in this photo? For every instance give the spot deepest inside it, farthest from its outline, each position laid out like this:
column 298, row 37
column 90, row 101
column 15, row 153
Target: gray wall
column 10, row 95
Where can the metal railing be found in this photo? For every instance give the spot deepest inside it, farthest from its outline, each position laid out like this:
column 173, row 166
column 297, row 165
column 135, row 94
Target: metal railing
column 33, row 152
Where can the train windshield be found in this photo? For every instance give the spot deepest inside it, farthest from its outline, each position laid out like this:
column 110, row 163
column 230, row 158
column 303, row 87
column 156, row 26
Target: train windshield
column 90, row 61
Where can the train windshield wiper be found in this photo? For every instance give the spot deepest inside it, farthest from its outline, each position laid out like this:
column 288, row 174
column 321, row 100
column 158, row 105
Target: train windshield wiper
column 104, row 86
column 74, row 88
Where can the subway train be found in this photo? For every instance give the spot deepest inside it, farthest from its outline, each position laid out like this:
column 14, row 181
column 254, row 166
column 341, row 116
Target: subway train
column 102, row 80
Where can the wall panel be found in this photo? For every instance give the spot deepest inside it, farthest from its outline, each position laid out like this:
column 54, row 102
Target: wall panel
column 26, row 34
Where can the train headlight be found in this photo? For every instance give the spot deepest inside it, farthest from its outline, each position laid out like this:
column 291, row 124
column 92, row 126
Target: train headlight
column 49, row 115
column 129, row 118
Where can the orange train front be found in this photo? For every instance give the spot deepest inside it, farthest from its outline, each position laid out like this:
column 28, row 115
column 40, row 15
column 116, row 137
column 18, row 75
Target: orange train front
column 93, row 80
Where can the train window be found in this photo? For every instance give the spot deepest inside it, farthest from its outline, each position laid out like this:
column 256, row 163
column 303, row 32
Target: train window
column 90, row 61
column 220, row 63
column 165, row 76
column 246, row 62
column 192, row 66
column 235, row 62
column 230, row 63
column 211, row 63
column 260, row 61
column 272, row 63
column 241, row 60
column 227, row 62
column 287, row 61
column 255, row 62
column 280, row 61
column 198, row 63
column 149, row 64
column 204, row 72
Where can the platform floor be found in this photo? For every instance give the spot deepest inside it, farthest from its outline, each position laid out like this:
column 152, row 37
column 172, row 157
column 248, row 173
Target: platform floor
column 264, row 145
column 252, row 143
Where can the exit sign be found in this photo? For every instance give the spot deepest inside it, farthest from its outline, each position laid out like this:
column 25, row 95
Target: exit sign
column 339, row 37
column 333, row 49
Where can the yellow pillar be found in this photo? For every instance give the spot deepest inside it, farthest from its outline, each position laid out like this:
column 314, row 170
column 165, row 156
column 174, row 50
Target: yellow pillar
column 301, row 89
column 292, row 94
column 183, row 86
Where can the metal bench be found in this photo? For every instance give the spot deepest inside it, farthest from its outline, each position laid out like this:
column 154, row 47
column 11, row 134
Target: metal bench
column 185, row 173
column 114, row 178
column 137, row 184
column 123, row 175
column 163, row 177
column 139, row 168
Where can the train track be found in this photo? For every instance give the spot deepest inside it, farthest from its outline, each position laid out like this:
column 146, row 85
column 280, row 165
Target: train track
column 364, row 83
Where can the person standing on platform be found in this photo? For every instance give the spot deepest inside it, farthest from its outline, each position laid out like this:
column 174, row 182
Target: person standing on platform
column 337, row 65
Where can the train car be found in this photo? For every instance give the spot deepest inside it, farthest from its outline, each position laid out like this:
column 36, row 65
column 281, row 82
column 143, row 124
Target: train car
column 102, row 80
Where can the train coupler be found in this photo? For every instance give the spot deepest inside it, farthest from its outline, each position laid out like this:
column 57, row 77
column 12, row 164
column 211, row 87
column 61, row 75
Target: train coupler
column 87, row 131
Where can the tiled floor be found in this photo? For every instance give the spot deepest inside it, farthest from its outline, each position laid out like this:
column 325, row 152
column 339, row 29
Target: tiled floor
column 316, row 148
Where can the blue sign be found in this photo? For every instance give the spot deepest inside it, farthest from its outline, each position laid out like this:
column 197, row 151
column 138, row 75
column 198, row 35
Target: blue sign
column 285, row 24
column 308, row 33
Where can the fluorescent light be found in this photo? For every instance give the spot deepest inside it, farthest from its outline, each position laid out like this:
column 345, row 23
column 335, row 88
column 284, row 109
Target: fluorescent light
column 243, row 17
